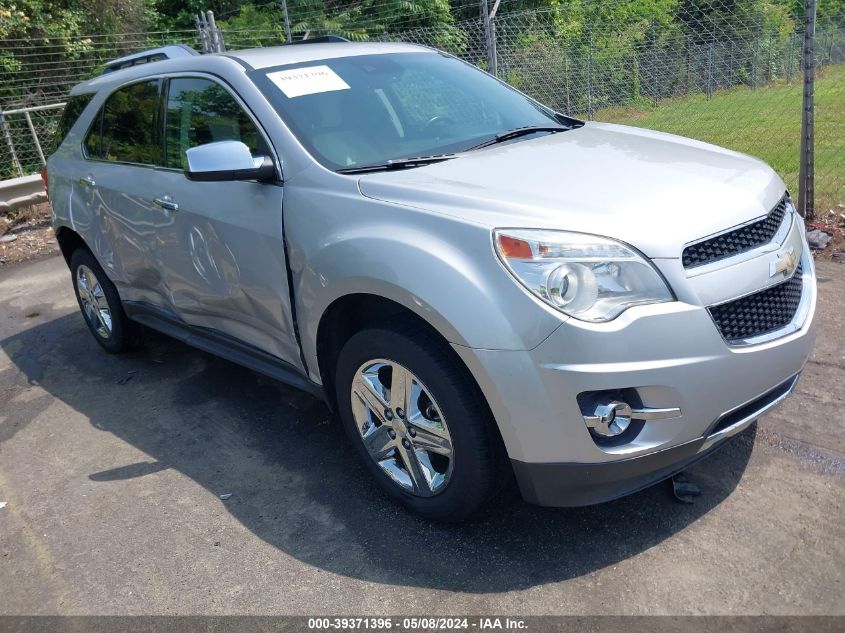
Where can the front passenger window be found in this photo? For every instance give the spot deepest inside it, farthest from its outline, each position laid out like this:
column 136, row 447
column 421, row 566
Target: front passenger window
column 201, row 111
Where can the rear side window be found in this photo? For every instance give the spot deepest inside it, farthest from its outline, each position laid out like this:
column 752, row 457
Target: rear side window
column 73, row 109
column 201, row 111
column 128, row 131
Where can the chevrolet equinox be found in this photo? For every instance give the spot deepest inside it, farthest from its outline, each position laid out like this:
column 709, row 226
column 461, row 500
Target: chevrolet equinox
column 475, row 283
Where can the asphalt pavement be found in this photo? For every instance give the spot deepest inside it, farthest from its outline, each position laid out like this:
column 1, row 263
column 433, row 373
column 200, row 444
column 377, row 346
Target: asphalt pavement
column 112, row 470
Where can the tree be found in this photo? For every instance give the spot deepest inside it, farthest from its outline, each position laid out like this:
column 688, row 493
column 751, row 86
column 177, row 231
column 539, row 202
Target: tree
column 353, row 19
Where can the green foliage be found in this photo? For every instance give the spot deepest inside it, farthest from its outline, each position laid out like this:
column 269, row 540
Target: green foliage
column 179, row 14
column 617, row 23
column 37, row 19
column 261, row 25
column 64, row 30
column 620, row 41
column 356, row 20
column 40, row 20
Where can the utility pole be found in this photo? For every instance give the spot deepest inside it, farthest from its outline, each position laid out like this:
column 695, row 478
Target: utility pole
column 805, row 172
column 590, row 78
column 216, row 35
column 210, row 37
column 284, row 5
column 202, row 32
column 494, row 55
column 487, row 18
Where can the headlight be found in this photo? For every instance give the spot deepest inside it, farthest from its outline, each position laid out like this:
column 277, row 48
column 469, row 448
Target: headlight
column 585, row 276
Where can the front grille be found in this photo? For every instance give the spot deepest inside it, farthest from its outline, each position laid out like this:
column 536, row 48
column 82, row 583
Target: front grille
column 760, row 313
column 737, row 241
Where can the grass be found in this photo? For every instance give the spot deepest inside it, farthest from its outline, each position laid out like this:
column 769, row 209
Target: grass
column 766, row 123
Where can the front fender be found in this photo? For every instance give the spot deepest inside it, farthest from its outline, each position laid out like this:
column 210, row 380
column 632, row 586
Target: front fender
column 441, row 268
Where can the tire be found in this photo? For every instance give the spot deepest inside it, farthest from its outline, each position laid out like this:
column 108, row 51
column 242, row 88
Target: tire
column 106, row 320
column 446, row 408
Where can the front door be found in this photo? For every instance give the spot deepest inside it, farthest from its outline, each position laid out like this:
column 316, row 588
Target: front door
column 220, row 249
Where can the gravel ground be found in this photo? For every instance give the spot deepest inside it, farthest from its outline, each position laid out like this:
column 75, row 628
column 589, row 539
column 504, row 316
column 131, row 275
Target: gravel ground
column 112, row 470
column 26, row 234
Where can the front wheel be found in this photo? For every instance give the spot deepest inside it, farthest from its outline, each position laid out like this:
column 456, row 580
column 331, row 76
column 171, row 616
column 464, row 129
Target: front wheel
column 416, row 419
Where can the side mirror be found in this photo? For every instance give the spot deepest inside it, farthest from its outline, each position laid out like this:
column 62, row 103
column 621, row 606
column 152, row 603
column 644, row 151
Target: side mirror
column 227, row 160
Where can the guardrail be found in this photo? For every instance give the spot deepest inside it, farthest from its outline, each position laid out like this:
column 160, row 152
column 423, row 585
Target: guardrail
column 20, row 192
column 22, row 130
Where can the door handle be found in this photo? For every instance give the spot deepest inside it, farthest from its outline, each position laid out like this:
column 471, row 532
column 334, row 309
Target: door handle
column 87, row 181
column 166, row 203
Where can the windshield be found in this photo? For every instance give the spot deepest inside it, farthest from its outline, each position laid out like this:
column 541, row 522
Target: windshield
column 367, row 110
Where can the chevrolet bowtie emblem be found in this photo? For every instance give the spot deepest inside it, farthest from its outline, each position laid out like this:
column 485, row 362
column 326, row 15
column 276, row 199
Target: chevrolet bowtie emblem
column 784, row 262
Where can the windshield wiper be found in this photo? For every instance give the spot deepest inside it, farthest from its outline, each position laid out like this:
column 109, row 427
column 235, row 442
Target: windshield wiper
column 419, row 161
column 501, row 137
column 397, row 163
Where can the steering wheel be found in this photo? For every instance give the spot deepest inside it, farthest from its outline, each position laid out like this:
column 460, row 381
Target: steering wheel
column 437, row 119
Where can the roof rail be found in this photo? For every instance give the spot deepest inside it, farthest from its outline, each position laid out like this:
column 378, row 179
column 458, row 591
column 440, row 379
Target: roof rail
column 322, row 39
column 152, row 55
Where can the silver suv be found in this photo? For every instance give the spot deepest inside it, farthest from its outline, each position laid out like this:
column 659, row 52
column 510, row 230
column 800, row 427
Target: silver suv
column 478, row 286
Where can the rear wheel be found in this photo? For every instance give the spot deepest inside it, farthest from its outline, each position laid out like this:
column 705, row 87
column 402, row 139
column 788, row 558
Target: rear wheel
column 100, row 304
column 416, row 420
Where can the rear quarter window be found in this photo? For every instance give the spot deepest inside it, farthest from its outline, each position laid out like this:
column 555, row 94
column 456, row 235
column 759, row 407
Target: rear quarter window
column 73, row 109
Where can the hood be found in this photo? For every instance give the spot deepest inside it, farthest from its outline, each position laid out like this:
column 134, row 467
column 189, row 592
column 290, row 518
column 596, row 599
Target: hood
column 654, row 191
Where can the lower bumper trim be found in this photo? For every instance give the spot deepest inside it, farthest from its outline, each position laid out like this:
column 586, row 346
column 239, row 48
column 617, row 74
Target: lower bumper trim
column 739, row 419
column 571, row 485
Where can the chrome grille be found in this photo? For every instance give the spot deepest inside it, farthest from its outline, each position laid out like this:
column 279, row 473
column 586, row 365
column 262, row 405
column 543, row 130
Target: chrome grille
column 759, row 313
column 737, row 241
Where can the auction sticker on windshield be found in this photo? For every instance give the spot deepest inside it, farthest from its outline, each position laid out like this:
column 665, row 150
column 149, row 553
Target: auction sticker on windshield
column 307, row 81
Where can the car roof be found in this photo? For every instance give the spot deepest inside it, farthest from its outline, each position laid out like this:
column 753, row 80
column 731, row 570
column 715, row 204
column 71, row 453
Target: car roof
column 254, row 58
column 302, row 52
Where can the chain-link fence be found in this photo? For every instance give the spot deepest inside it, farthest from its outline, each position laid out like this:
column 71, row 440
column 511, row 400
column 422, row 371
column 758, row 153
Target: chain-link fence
column 722, row 71
column 24, row 131
column 737, row 85
column 35, row 78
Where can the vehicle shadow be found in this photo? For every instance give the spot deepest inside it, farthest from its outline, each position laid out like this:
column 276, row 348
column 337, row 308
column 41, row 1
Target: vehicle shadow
column 297, row 486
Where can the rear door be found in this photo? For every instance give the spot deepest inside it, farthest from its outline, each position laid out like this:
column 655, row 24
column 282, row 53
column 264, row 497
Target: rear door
column 220, row 246
column 122, row 151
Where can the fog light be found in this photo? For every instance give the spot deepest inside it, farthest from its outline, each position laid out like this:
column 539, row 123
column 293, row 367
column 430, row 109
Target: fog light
column 609, row 420
column 612, row 417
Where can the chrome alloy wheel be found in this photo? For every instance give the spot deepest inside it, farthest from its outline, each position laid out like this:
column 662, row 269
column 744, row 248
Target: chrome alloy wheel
column 402, row 427
column 93, row 299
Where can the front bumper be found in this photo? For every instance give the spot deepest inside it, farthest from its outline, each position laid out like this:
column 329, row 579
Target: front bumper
column 586, row 484
column 671, row 355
